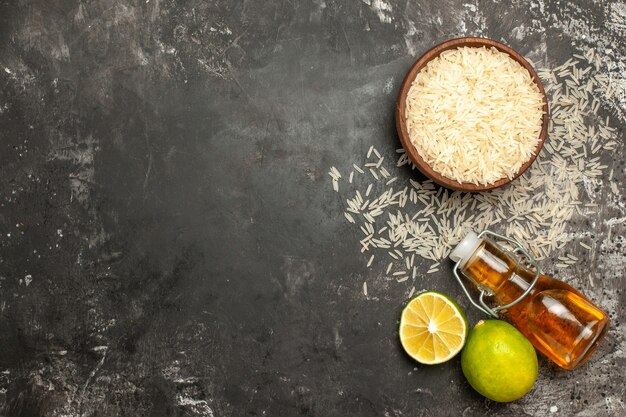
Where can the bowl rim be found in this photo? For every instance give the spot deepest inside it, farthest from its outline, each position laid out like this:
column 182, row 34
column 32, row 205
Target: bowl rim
column 400, row 117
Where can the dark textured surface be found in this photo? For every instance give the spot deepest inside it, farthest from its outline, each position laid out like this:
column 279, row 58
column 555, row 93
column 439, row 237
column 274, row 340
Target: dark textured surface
column 169, row 245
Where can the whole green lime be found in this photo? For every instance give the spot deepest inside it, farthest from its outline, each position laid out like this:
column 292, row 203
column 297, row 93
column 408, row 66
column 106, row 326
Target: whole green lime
column 498, row 361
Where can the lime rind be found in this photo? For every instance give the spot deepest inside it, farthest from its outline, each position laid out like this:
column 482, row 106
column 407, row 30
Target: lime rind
column 499, row 362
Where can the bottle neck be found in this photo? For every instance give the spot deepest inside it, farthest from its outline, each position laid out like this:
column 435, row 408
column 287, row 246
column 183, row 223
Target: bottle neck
column 496, row 270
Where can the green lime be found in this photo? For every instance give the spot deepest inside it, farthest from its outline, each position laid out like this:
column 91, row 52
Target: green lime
column 498, row 361
column 433, row 328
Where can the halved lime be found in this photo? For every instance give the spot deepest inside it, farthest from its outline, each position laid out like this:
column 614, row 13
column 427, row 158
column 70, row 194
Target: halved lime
column 433, row 328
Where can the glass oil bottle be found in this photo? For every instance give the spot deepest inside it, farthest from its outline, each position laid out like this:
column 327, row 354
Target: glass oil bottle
column 558, row 320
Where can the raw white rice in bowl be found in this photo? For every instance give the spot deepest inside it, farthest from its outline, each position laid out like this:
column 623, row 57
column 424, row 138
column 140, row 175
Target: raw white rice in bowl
column 474, row 115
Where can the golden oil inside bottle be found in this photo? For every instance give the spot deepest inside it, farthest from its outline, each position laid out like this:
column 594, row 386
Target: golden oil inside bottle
column 557, row 319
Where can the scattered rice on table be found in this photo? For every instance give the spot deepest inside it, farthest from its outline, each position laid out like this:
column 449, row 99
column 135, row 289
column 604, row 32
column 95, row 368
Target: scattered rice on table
column 423, row 219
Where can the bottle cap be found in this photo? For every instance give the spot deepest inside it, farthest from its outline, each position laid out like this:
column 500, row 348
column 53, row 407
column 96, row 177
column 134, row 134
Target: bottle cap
column 465, row 248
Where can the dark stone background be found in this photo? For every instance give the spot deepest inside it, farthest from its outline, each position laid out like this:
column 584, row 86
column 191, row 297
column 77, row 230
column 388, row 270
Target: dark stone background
column 169, row 242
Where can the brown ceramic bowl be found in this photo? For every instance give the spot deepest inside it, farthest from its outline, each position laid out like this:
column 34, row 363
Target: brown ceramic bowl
column 401, row 111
